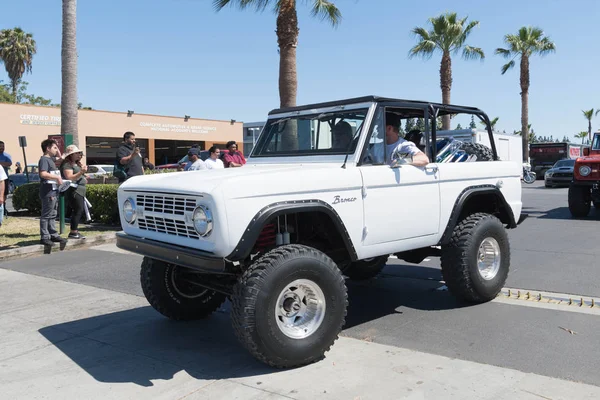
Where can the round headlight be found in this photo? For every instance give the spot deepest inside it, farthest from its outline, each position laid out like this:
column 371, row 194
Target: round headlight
column 129, row 212
column 549, row 174
column 203, row 221
column 584, row 170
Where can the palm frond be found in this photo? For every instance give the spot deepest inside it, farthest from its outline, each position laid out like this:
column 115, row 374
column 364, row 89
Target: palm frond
column 260, row 5
column 421, row 33
column 503, row 52
column 597, row 111
column 327, row 11
column 473, row 53
column 424, row 49
column 508, row 66
column 588, row 114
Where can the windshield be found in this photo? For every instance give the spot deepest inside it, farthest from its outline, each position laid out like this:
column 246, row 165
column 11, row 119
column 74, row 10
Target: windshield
column 596, row 143
column 314, row 134
column 564, row 163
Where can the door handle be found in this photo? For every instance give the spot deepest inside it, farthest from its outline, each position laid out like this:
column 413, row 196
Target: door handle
column 432, row 169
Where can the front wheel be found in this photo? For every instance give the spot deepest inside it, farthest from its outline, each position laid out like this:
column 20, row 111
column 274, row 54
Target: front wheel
column 174, row 292
column 475, row 263
column 579, row 201
column 529, row 177
column 289, row 306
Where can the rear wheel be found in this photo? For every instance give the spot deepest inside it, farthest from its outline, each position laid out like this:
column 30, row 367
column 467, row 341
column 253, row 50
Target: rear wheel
column 366, row 269
column 11, row 187
column 475, row 263
column 579, row 201
column 289, row 306
column 174, row 292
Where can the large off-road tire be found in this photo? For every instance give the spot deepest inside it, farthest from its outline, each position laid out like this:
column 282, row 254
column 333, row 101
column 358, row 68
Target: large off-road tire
column 475, row 263
column 289, row 306
column 579, row 201
column 366, row 269
column 482, row 152
column 169, row 290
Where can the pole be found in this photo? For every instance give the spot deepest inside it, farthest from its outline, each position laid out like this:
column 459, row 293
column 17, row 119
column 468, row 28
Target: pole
column 25, row 166
column 68, row 139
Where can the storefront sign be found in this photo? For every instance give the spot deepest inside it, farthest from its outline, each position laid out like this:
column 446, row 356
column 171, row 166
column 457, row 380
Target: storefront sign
column 177, row 128
column 32, row 119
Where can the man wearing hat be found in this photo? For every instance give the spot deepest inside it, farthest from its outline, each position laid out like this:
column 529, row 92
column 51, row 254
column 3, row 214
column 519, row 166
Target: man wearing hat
column 196, row 162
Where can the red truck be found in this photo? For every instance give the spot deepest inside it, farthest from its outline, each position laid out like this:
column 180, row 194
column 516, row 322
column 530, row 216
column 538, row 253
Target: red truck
column 584, row 190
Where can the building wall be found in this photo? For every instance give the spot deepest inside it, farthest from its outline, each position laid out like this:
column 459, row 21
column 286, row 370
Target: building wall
column 251, row 132
column 36, row 123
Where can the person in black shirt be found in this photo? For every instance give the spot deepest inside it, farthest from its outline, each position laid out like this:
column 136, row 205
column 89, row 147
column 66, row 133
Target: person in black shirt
column 49, row 181
column 130, row 157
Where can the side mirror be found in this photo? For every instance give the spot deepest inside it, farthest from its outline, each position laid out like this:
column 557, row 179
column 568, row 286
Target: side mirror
column 586, row 151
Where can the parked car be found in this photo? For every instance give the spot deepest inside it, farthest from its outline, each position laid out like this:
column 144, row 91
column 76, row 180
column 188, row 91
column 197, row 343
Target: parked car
column 16, row 180
column 97, row 171
column 561, row 173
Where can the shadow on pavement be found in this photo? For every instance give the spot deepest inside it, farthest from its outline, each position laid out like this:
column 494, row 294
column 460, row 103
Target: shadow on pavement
column 140, row 345
column 564, row 213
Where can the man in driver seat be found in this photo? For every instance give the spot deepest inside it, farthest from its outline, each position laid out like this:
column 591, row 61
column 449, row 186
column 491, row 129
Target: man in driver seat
column 397, row 144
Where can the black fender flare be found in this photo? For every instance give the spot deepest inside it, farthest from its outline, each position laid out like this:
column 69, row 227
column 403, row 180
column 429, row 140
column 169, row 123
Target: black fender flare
column 252, row 232
column 465, row 196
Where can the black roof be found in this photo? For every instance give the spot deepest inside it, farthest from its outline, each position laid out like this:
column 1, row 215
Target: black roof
column 364, row 99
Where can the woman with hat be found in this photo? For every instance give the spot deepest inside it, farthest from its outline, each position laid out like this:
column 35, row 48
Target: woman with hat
column 72, row 169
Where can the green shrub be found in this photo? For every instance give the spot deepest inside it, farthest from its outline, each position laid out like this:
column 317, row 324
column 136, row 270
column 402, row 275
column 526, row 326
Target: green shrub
column 27, row 197
column 102, row 197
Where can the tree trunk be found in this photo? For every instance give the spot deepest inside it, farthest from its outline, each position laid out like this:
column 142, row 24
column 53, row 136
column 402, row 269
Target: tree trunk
column 68, row 106
column 446, row 85
column 15, row 85
column 589, row 130
column 525, row 105
column 287, row 39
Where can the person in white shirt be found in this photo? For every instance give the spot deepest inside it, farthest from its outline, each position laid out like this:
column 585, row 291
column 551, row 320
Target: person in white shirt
column 196, row 162
column 213, row 161
column 3, row 178
column 400, row 145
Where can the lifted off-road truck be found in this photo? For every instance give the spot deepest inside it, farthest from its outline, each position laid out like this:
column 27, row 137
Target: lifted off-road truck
column 584, row 189
column 280, row 235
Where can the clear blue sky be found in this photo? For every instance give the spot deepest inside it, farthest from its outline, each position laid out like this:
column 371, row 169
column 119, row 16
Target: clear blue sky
column 176, row 57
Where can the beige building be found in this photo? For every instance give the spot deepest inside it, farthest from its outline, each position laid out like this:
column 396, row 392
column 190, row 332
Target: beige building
column 162, row 139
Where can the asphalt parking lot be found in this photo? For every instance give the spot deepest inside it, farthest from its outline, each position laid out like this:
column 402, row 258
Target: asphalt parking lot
column 408, row 307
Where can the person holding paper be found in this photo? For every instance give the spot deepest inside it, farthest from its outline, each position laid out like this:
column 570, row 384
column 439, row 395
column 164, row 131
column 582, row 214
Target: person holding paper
column 72, row 169
column 49, row 181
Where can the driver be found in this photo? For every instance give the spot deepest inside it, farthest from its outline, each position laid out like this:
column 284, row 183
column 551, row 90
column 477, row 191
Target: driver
column 396, row 143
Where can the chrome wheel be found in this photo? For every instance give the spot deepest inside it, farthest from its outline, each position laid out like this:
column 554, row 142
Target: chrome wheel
column 184, row 283
column 300, row 309
column 489, row 258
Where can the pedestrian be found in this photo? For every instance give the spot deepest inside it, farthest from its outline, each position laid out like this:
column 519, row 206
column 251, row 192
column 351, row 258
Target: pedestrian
column 18, row 169
column 49, row 181
column 73, row 170
column 213, row 162
column 3, row 179
column 5, row 162
column 233, row 158
column 196, row 162
column 148, row 165
column 129, row 159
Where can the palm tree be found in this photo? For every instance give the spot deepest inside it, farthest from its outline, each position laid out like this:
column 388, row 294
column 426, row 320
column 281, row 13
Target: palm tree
column 69, row 104
column 589, row 114
column 16, row 51
column 581, row 135
column 527, row 42
column 448, row 35
column 287, row 40
column 493, row 122
column 287, row 36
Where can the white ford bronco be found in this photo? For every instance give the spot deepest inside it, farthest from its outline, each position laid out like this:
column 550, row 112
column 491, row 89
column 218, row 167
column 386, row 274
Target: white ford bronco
column 312, row 208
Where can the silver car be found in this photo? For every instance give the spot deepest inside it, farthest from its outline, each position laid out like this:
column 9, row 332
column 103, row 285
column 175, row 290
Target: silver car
column 561, row 173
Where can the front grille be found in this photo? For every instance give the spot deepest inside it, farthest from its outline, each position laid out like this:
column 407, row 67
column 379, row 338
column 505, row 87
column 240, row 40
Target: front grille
column 165, row 204
column 562, row 175
column 172, row 208
column 168, row 226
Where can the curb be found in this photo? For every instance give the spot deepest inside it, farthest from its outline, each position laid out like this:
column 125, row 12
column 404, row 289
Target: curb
column 39, row 249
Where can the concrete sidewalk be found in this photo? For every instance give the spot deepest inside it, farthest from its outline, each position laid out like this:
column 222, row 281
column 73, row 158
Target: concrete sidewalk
column 65, row 340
